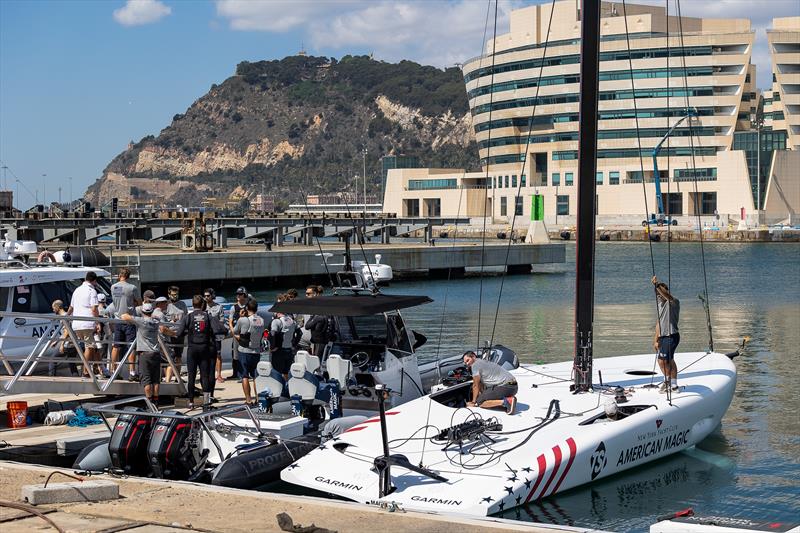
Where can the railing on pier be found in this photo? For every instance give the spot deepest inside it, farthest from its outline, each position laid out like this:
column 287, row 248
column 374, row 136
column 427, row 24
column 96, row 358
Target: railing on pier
column 21, row 375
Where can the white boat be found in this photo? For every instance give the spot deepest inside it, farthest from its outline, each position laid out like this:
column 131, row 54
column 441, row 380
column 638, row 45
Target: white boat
column 575, row 422
column 557, row 440
column 31, row 288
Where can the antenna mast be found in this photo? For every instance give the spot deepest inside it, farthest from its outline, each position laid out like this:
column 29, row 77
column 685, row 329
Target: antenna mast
column 587, row 167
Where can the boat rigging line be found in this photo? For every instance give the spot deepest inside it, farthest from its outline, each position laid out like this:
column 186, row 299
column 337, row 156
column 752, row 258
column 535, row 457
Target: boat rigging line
column 360, row 241
column 444, row 306
column 522, row 173
column 706, row 302
column 319, row 245
column 486, row 184
column 641, row 166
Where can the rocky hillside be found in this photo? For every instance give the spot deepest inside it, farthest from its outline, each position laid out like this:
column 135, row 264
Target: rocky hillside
column 297, row 126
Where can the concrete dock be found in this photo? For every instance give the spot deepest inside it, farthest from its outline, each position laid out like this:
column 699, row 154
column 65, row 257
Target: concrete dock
column 170, row 506
column 161, row 266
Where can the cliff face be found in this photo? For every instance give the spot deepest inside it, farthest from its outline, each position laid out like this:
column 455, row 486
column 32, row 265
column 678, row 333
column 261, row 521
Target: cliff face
column 296, row 126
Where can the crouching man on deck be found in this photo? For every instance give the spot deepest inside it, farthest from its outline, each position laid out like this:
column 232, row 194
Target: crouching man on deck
column 492, row 385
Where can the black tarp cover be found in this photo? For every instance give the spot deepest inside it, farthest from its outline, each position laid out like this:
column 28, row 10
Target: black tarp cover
column 349, row 305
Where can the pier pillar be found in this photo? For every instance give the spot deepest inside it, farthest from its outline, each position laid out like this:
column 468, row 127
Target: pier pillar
column 279, row 235
column 222, row 238
column 123, row 236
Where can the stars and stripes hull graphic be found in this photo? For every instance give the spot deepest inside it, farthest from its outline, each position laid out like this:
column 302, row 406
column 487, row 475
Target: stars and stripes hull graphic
column 555, row 441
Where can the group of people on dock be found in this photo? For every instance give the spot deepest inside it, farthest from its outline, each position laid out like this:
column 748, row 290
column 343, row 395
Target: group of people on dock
column 153, row 325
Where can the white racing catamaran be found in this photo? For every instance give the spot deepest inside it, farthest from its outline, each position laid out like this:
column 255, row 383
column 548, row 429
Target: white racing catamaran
column 575, row 422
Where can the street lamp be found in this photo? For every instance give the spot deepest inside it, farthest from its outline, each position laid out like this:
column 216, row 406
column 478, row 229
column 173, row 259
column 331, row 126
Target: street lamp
column 44, row 189
column 364, row 153
column 70, row 191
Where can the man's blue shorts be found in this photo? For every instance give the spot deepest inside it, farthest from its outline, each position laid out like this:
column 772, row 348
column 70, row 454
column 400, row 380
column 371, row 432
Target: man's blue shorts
column 248, row 363
column 667, row 346
column 124, row 335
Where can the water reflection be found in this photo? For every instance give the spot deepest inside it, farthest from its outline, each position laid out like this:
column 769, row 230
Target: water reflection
column 753, row 290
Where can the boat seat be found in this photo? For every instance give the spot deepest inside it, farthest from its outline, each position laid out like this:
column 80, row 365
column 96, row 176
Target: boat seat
column 302, row 382
column 311, row 362
column 269, row 378
column 339, row 369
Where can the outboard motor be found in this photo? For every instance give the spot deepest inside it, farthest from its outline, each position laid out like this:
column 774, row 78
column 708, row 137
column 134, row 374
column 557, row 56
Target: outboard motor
column 174, row 451
column 128, row 443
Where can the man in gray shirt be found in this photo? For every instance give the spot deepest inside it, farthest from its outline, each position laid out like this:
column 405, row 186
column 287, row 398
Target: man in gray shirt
column 248, row 333
column 492, row 385
column 667, row 337
column 125, row 297
column 147, row 330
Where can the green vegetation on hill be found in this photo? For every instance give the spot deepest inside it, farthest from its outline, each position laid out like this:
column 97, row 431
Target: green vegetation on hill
column 324, row 110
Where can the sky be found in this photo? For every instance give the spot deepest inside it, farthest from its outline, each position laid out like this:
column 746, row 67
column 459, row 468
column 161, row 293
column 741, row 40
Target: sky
column 80, row 79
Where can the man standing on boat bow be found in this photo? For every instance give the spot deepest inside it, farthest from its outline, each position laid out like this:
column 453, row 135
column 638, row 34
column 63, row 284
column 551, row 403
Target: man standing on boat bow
column 492, row 385
column 666, row 338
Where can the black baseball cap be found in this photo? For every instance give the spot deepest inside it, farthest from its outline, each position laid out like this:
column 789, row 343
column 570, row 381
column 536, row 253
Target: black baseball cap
column 241, row 290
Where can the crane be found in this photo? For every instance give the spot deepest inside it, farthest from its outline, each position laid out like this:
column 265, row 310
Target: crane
column 659, row 218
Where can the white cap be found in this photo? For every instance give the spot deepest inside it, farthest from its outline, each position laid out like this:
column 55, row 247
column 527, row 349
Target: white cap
column 161, row 299
column 101, row 297
column 147, row 308
column 611, row 408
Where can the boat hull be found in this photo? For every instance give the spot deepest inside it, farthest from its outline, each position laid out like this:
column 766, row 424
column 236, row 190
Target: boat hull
column 533, row 457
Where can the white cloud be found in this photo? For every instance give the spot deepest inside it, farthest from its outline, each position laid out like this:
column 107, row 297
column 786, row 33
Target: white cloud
column 141, row 12
column 445, row 32
column 435, row 32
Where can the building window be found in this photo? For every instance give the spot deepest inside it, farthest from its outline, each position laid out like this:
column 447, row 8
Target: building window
column 518, row 206
column 703, row 174
column 776, row 96
column 673, row 203
column 522, row 180
column 411, row 207
column 556, row 179
column 433, row 207
column 562, row 204
column 599, row 178
column 568, row 178
column 514, row 181
column 613, row 177
column 494, row 182
column 416, row 185
column 503, row 206
column 506, row 182
column 708, row 203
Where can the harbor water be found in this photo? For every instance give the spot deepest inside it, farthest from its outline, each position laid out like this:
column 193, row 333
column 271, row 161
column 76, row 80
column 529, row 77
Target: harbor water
column 750, row 467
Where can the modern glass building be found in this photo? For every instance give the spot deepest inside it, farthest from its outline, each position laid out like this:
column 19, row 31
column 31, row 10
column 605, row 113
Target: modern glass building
column 523, row 96
column 782, row 102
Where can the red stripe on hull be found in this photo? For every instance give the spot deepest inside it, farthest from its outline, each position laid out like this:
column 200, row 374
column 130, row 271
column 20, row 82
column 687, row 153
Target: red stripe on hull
column 357, row 428
column 572, row 452
column 557, row 453
column 542, row 463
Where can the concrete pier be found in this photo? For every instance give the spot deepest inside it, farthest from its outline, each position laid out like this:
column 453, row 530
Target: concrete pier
column 156, row 505
column 246, row 263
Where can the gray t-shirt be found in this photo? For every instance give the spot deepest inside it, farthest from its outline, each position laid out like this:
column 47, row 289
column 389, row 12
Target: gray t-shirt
column 668, row 313
column 124, row 295
column 491, row 373
column 285, row 325
column 253, row 326
column 146, row 334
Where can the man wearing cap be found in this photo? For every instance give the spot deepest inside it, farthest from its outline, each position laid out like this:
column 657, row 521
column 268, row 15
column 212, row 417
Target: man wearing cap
column 147, row 330
column 238, row 311
column 217, row 314
column 176, row 310
column 125, row 297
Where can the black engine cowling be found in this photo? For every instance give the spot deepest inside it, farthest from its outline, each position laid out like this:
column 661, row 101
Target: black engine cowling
column 128, row 443
column 174, row 449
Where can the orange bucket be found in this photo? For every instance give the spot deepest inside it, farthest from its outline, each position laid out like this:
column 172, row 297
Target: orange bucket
column 17, row 414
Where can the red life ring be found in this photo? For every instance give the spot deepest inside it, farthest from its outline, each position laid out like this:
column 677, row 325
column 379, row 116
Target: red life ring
column 46, row 257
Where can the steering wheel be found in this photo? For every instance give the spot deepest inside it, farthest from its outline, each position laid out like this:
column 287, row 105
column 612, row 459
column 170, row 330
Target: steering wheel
column 360, row 360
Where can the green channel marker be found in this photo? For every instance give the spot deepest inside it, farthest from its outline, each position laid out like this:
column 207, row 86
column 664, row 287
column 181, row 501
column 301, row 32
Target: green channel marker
column 537, row 207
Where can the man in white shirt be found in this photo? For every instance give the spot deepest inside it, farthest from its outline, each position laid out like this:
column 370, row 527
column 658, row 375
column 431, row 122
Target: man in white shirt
column 84, row 304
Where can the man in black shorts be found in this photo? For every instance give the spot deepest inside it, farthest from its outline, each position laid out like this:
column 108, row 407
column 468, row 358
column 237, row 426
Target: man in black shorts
column 492, row 385
column 248, row 333
column 147, row 329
